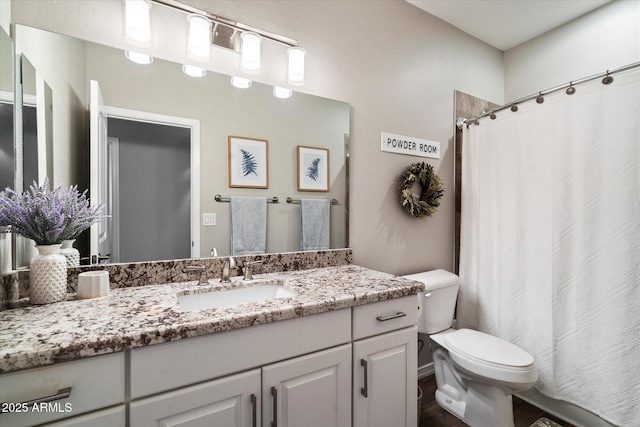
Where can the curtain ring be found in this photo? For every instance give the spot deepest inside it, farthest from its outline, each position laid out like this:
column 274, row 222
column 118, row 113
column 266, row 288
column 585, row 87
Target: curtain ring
column 540, row 99
column 608, row 79
column 492, row 116
column 571, row 90
column 514, row 107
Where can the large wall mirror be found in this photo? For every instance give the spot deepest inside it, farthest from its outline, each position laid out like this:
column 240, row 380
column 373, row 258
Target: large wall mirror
column 156, row 113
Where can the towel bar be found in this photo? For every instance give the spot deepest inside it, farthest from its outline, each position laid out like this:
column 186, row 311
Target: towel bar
column 297, row 201
column 219, row 198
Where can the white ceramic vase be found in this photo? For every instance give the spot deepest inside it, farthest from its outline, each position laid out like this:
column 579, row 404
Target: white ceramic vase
column 47, row 275
column 70, row 253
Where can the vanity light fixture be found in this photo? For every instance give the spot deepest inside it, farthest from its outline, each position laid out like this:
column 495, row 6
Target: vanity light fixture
column 137, row 22
column 282, row 92
column 295, row 70
column 138, row 58
column 241, row 83
column 199, row 38
column 235, row 36
column 250, row 53
column 193, row 71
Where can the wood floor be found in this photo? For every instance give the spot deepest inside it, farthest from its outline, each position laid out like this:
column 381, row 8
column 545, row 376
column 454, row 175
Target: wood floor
column 432, row 415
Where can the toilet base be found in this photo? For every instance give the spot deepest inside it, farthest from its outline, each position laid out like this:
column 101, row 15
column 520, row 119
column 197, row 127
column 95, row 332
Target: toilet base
column 485, row 406
column 455, row 407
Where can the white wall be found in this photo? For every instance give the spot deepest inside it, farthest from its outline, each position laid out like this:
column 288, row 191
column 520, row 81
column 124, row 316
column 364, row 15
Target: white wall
column 396, row 65
column 606, row 38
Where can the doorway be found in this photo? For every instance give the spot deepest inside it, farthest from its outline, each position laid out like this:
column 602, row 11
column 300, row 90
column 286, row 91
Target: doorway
column 153, row 186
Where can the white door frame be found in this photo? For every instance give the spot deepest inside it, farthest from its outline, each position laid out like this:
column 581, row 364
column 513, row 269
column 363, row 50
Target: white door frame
column 194, row 125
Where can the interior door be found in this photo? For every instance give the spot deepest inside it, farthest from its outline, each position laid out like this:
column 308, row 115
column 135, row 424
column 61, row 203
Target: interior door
column 98, row 237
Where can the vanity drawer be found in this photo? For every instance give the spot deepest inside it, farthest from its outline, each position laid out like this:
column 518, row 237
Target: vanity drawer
column 95, row 382
column 384, row 316
column 171, row 365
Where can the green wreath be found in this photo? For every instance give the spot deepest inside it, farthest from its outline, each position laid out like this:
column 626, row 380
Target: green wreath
column 424, row 204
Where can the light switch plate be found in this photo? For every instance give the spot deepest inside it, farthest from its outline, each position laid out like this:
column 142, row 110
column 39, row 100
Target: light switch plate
column 208, row 219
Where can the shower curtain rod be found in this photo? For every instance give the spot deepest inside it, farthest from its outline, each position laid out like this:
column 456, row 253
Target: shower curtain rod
column 464, row 121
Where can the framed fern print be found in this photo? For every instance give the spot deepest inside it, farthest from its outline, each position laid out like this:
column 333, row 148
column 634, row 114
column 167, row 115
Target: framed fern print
column 248, row 162
column 313, row 168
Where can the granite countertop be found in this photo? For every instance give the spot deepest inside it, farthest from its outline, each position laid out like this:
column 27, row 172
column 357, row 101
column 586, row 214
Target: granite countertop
column 136, row 317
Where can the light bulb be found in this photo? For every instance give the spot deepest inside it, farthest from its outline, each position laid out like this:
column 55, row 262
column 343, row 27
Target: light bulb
column 193, row 71
column 250, row 60
column 240, row 82
column 137, row 22
column 295, row 70
column 199, row 38
column 138, row 58
column 281, row 92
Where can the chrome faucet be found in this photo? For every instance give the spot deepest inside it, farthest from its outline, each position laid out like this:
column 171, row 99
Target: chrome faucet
column 247, row 270
column 198, row 268
column 228, row 265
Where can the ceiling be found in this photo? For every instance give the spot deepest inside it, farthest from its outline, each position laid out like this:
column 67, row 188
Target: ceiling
column 507, row 23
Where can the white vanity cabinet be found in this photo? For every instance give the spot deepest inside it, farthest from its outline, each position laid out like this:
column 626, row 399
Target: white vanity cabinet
column 349, row 367
column 63, row 391
column 210, row 380
column 385, row 364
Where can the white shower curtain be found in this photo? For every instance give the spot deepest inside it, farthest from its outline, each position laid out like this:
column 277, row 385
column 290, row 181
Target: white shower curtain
column 550, row 241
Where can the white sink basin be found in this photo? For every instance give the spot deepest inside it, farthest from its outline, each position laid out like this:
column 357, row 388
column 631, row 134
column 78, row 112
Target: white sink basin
column 229, row 298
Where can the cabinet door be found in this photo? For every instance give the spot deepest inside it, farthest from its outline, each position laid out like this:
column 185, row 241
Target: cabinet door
column 385, row 380
column 227, row 402
column 113, row 417
column 308, row 391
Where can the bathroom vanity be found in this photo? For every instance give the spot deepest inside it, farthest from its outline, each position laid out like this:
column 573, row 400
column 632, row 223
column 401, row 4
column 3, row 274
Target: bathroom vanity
column 340, row 352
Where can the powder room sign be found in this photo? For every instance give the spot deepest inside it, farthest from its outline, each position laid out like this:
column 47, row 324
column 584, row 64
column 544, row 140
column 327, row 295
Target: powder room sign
column 407, row 145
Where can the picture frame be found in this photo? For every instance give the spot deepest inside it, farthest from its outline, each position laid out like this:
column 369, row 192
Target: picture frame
column 248, row 162
column 313, row 168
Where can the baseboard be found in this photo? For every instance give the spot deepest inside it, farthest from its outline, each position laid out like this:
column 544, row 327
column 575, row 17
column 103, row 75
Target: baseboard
column 564, row 410
column 425, row 371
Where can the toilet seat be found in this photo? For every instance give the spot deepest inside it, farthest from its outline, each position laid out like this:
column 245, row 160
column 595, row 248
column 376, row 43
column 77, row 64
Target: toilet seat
column 488, row 348
column 490, row 357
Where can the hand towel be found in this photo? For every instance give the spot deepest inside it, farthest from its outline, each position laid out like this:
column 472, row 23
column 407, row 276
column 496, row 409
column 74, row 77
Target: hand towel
column 248, row 225
column 315, row 224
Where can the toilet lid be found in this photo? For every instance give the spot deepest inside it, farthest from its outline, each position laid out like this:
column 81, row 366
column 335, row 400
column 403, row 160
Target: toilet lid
column 488, row 348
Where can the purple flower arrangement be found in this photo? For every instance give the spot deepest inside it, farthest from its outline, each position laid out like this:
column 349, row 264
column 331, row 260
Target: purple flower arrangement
column 45, row 216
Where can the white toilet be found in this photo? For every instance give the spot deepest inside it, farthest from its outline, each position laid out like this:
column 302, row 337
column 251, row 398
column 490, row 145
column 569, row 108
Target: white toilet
column 476, row 373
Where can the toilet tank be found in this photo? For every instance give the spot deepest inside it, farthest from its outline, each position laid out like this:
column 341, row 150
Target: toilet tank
column 438, row 302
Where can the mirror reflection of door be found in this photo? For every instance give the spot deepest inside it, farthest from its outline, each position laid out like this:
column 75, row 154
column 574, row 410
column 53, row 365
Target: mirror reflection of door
column 98, row 171
column 150, row 221
column 141, row 173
